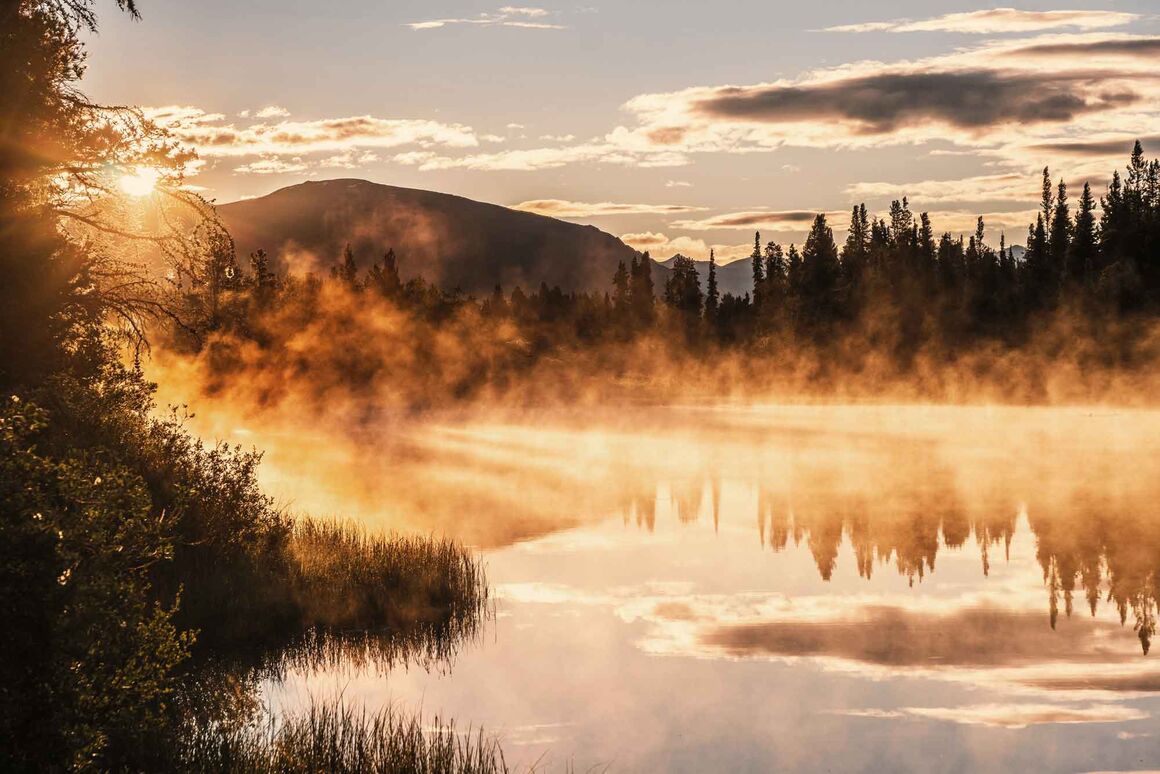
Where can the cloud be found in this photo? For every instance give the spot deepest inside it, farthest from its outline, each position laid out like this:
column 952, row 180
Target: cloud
column 993, row 98
column 678, row 184
column 559, row 208
column 661, row 247
column 1023, row 715
column 880, row 103
column 273, row 166
column 349, row 160
column 1120, row 145
column 513, row 10
column 508, row 16
column 1130, row 47
column 796, row 220
column 997, row 21
column 273, row 111
column 283, row 145
column 530, row 159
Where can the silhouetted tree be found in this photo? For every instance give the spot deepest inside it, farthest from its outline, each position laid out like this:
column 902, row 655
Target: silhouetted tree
column 712, row 297
column 683, row 291
column 641, row 291
column 384, row 278
column 755, row 259
column 1081, row 263
column 347, row 270
column 1059, row 242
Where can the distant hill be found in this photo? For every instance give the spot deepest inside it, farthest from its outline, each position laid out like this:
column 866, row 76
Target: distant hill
column 735, row 277
column 449, row 240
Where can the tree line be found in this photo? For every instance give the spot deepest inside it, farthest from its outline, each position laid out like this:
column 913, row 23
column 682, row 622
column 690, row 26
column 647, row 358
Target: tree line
column 891, row 281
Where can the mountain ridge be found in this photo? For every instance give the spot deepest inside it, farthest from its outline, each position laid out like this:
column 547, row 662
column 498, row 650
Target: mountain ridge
column 450, row 240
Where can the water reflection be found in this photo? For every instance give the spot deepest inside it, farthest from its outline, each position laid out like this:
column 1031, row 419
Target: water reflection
column 921, row 568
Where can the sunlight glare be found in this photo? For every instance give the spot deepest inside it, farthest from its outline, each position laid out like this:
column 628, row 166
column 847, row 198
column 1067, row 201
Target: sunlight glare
column 141, row 182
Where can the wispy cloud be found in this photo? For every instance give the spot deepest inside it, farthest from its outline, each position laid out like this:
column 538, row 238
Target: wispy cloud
column 273, row 166
column 1118, row 145
column 997, row 21
column 560, row 208
column 522, row 17
column 285, row 145
column 528, row 159
column 761, row 219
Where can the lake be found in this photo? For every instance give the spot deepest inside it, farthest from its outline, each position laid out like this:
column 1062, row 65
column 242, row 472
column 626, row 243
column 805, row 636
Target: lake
column 749, row 588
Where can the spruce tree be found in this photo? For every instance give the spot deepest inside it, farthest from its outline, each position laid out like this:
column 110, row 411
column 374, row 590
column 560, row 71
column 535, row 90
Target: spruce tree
column 820, row 272
column 712, row 298
column 620, row 286
column 1082, row 252
column 1060, row 236
column 758, row 270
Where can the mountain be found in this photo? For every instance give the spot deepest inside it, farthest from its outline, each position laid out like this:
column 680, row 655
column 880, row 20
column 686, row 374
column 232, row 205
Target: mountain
column 735, row 277
column 448, row 240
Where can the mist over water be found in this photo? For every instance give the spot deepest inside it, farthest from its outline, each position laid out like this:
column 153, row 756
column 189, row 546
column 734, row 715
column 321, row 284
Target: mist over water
column 814, row 586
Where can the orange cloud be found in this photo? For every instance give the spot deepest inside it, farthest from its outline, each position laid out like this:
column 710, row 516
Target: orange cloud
column 560, row 208
column 770, row 220
column 521, row 17
column 998, row 20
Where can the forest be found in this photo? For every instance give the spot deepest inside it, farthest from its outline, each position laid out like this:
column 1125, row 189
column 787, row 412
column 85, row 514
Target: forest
column 892, row 310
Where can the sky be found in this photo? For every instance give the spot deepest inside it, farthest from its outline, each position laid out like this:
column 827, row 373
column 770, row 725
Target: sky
column 679, row 127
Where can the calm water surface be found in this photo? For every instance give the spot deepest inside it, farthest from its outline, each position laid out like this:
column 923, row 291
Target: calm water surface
column 809, row 588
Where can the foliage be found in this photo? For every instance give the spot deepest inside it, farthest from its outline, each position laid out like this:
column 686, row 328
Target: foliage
column 90, row 657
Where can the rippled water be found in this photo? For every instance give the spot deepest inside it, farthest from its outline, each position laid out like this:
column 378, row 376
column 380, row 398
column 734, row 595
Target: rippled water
column 815, row 588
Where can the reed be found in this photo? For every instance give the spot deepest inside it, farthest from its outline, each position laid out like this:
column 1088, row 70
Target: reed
column 333, row 737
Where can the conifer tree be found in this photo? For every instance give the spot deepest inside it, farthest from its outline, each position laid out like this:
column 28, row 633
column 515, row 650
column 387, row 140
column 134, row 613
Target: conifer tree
column 819, row 271
column 1046, row 200
column 1059, row 239
column 712, row 298
column 758, row 270
column 641, row 290
column 346, row 271
column 857, row 242
column 620, row 287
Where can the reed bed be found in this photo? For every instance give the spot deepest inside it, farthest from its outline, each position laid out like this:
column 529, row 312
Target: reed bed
column 333, row 737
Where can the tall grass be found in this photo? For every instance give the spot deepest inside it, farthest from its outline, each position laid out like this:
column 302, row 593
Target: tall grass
column 381, row 598
column 324, row 589
column 333, row 737
column 332, row 595
column 346, row 578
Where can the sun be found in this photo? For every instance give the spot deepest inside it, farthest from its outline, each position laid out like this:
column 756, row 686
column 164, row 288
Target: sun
column 141, row 182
